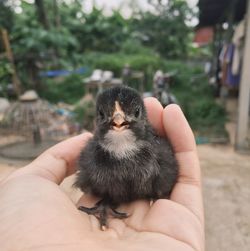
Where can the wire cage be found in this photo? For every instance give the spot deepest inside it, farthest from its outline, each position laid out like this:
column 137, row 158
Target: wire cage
column 38, row 122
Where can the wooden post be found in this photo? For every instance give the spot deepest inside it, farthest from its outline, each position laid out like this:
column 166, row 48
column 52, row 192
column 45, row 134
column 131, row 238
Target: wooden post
column 9, row 55
column 242, row 140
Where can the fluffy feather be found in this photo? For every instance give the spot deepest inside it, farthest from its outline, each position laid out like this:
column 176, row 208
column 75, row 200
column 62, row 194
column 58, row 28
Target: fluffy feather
column 129, row 164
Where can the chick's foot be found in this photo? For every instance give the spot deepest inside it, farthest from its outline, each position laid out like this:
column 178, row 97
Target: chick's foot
column 101, row 211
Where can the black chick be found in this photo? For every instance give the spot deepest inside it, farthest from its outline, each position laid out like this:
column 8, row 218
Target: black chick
column 125, row 160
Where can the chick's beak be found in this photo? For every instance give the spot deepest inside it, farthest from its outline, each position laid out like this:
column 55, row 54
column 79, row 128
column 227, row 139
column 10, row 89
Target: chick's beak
column 119, row 122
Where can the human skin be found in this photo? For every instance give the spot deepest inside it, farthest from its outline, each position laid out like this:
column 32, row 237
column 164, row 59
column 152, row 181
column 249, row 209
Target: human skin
column 35, row 214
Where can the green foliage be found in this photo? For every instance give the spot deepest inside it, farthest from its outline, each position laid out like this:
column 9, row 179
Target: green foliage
column 95, row 31
column 5, row 75
column 133, row 46
column 85, row 114
column 166, row 30
column 72, row 34
column 6, row 16
column 31, row 40
column 116, row 62
column 69, row 90
column 206, row 113
column 146, row 61
column 196, row 98
column 112, row 62
column 5, row 69
column 144, row 41
column 36, row 48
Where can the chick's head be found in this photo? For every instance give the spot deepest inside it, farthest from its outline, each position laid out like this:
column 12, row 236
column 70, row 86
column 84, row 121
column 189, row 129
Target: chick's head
column 119, row 110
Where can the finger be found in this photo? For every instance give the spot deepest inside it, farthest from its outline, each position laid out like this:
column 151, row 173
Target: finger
column 87, row 200
column 58, row 161
column 175, row 221
column 183, row 142
column 178, row 129
column 136, row 211
column 154, row 111
column 187, row 191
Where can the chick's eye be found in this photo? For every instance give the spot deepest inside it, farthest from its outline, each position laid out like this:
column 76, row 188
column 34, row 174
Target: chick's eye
column 137, row 112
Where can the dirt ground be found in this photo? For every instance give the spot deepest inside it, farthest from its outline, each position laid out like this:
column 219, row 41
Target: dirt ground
column 226, row 189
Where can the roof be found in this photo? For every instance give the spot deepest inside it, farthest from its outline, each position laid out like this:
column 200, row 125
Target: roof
column 213, row 12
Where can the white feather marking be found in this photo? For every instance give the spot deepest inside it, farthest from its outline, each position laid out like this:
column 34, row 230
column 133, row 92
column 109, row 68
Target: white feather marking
column 121, row 144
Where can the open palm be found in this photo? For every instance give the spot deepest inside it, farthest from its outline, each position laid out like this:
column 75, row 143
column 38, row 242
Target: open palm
column 36, row 215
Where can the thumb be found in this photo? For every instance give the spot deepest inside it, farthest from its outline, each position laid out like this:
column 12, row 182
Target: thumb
column 58, row 161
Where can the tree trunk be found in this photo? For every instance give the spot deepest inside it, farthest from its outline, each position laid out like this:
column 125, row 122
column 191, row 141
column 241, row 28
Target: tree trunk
column 42, row 17
column 57, row 20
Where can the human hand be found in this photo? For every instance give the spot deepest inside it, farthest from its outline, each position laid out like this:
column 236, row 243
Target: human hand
column 36, row 215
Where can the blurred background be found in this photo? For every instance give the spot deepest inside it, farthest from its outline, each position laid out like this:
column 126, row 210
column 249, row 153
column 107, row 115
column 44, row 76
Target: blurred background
column 57, row 55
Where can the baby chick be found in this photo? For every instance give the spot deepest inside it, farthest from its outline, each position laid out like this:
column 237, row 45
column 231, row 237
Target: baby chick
column 125, row 160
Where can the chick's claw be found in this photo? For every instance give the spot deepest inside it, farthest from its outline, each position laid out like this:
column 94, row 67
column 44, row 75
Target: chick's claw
column 89, row 210
column 117, row 214
column 101, row 211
